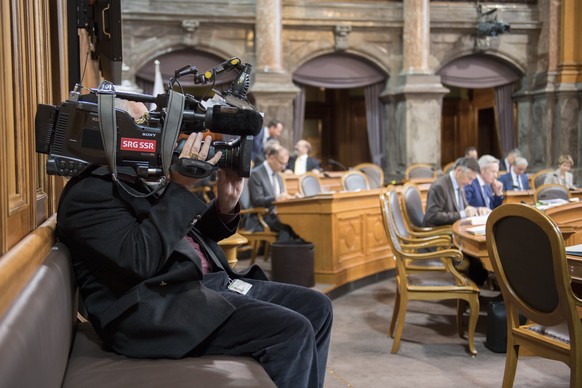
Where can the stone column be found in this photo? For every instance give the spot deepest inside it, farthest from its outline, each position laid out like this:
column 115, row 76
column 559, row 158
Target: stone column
column 568, row 114
column 273, row 88
column 414, row 99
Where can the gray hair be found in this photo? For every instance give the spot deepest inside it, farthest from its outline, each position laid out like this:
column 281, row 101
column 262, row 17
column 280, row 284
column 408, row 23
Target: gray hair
column 486, row 160
column 520, row 161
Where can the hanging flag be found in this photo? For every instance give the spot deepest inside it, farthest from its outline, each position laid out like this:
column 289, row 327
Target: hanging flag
column 158, row 82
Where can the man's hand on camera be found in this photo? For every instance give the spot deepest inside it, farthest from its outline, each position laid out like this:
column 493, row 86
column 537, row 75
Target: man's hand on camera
column 229, row 187
column 195, row 148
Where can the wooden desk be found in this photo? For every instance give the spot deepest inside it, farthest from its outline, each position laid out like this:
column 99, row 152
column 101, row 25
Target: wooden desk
column 331, row 181
column 568, row 217
column 527, row 196
column 347, row 231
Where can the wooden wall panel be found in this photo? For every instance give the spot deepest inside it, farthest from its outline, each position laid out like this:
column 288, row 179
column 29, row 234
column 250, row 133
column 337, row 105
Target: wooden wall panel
column 27, row 79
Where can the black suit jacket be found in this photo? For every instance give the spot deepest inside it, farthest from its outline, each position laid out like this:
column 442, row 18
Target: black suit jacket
column 140, row 280
column 311, row 163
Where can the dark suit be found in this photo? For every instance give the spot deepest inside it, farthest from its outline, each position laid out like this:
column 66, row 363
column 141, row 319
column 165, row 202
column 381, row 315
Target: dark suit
column 310, row 164
column 508, row 182
column 475, row 197
column 257, row 149
column 441, row 203
column 144, row 290
column 262, row 194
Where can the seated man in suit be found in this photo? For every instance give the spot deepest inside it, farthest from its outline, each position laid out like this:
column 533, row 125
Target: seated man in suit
column 486, row 190
column 509, row 159
column 301, row 162
column 516, row 179
column 446, row 201
column 266, row 186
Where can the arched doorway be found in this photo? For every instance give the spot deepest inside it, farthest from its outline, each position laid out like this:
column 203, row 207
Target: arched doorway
column 339, row 111
column 479, row 110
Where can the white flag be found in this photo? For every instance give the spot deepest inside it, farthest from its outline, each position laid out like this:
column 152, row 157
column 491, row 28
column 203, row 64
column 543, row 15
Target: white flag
column 158, row 82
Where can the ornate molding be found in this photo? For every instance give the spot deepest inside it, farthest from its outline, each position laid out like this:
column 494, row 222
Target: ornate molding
column 341, row 33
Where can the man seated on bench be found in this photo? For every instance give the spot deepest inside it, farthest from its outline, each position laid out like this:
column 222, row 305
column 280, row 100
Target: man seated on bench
column 155, row 284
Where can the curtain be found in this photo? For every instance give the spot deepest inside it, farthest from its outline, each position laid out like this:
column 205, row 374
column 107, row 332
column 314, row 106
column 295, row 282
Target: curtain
column 298, row 114
column 345, row 71
column 505, row 121
column 375, row 119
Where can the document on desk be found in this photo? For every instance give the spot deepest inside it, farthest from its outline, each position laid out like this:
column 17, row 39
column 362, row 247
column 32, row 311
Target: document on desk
column 478, row 220
column 477, row 230
column 574, row 250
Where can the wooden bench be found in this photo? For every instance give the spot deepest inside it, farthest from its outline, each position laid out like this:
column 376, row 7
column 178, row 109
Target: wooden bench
column 43, row 345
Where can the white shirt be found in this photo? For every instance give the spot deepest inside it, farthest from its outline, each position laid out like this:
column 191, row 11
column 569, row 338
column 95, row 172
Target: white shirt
column 300, row 165
column 274, row 181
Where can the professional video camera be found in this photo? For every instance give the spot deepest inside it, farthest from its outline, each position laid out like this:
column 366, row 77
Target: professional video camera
column 88, row 130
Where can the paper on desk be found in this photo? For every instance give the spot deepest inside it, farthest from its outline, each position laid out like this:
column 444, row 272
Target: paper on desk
column 574, row 250
column 478, row 220
column 477, row 230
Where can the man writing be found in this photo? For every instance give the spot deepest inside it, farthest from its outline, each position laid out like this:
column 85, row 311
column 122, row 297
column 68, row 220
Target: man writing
column 266, row 186
column 446, row 201
column 155, row 283
column 485, row 191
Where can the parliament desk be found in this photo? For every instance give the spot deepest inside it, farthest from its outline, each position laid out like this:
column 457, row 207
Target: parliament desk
column 347, row 231
column 527, row 196
column 568, row 217
column 330, row 181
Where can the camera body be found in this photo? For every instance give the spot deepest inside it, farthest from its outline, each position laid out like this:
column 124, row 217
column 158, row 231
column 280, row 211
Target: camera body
column 71, row 133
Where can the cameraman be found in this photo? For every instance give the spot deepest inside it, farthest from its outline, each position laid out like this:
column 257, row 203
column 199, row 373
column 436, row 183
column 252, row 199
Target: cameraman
column 155, row 283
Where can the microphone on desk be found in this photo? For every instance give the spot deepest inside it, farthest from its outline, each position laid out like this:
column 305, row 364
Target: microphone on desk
column 336, row 163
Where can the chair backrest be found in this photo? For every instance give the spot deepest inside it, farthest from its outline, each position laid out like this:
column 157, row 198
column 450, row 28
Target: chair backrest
column 529, row 260
column 539, row 177
column 354, row 180
column 373, row 172
column 309, row 184
column 420, row 171
column 551, row 191
column 448, row 167
column 389, row 227
column 412, row 208
column 396, row 213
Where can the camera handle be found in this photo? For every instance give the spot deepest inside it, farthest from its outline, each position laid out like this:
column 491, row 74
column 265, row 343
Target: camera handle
column 193, row 168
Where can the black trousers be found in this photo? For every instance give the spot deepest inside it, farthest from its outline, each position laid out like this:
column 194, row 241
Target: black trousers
column 286, row 233
column 285, row 327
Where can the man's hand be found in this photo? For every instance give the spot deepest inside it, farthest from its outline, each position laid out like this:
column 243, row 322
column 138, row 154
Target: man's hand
column 483, row 211
column 470, row 211
column 497, row 187
column 195, row 148
column 229, row 187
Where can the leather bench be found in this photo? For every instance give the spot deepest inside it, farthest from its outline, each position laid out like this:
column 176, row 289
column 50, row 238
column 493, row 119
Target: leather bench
column 43, row 345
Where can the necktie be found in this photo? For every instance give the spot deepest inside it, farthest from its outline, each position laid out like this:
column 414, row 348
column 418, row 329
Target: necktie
column 459, row 199
column 485, row 196
column 275, row 184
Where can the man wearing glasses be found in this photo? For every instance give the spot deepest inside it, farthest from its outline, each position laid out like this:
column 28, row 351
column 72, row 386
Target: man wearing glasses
column 266, row 186
column 446, row 201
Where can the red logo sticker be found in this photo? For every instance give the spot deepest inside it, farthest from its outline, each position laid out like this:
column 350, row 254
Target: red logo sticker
column 137, row 145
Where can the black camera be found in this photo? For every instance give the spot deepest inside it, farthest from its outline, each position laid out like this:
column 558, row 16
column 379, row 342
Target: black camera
column 73, row 136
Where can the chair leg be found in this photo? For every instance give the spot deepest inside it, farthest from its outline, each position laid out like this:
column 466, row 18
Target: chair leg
column 394, row 315
column 474, row 315
column 510, row 362
column 255, row 249
column 399, row 324
column 461, row 306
